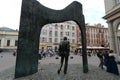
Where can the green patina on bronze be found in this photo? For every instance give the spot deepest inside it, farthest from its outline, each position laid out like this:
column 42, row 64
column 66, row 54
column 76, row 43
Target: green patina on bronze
column 33, row 17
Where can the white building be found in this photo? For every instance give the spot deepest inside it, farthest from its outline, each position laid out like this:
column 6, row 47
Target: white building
column 52, row 34
column 112, row 10
column 8, row 38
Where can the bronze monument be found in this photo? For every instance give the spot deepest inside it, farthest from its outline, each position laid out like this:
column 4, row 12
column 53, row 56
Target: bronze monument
column 33, row 17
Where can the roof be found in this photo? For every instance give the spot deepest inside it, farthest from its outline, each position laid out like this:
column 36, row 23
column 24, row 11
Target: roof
column 7, row 29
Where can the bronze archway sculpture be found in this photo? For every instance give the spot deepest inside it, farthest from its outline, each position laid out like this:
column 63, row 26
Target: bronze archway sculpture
column 33, row 17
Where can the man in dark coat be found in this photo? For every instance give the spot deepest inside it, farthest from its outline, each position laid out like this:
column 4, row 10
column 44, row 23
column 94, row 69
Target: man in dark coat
column 106, row 58
column 100, row 56
column 64, row 49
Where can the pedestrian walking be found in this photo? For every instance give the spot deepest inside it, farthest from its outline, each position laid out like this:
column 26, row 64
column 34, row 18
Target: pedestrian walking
column 64, row 49
column 43, row 53
column 39, row 55
column 100, row 56
column 106, row 58
column 14, row 53
column 76, row 51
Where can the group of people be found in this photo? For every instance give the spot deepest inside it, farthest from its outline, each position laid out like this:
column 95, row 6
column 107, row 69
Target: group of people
column 43, row 53
column 107, row 59
column 64, row 49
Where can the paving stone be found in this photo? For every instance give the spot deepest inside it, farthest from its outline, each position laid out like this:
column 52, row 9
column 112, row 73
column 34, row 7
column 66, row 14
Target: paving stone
column 48, row 70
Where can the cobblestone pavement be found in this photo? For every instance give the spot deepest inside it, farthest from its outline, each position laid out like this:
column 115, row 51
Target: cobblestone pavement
column 48, row 70
column 7, row 60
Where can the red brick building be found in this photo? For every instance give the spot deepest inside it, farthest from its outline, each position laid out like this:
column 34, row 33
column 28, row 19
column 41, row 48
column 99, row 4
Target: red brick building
column 96, row 35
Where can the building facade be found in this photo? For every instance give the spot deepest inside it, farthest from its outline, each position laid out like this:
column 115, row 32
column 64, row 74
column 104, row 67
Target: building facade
column 52, row 34
column 112, row 10
column 96, row 35
column 8, row 38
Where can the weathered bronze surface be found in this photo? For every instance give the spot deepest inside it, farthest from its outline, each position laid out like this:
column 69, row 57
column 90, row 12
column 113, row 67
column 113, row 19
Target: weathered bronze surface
column 33, row 17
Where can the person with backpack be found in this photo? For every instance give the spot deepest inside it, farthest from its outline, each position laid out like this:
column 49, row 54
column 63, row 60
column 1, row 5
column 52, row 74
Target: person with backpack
column 64, row 49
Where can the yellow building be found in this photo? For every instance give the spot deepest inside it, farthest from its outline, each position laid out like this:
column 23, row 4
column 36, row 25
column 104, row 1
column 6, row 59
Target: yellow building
column 8, row 38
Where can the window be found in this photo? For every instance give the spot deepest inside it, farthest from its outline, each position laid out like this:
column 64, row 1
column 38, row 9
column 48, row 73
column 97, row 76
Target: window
column 73, row 28
column 43, row 39
column 56, row 40
column 8, row 42
column 61, row 39
column 62, row 27
column 73, row 34
column 61, row 34
column 44, row 32
column 73, row 41
column 0, row 42
column 50, row 27
column 50, row 33
column 56, row 33
column 56, row 26
column 16, row 42
column 68, row 27
column 67, row 33
column 50, row 39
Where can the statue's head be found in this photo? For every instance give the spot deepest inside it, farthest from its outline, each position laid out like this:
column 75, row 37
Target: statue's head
column 65, row 38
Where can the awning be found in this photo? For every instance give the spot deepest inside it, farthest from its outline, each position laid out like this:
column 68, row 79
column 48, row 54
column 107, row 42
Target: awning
column 94, row 47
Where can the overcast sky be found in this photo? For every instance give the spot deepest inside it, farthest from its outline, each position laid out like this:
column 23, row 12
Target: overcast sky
column 10, row 11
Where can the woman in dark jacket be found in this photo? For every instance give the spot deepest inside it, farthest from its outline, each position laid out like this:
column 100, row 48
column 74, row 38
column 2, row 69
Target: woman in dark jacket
column 112, row 65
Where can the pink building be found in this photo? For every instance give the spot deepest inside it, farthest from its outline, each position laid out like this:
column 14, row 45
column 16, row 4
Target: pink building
column 96, row 35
